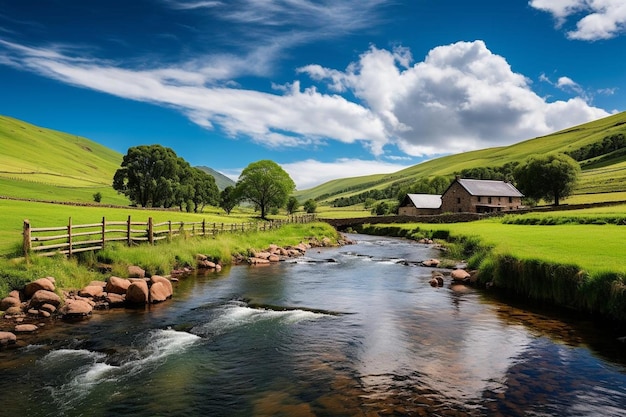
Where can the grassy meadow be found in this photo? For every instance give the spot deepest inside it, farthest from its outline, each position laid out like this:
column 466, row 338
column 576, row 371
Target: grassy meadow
column 14, row 212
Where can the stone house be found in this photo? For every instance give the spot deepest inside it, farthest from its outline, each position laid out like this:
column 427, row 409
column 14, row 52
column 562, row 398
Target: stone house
column 465, row 196
column 420, row 204
column 480, row 196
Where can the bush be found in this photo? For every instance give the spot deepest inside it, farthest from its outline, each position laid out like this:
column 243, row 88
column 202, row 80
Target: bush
column 97, row 197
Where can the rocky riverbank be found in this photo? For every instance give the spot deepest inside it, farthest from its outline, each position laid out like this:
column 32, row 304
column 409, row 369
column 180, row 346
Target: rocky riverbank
column 41, row 303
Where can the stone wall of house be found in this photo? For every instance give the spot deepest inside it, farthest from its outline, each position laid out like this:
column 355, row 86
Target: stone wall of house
column 414, row 211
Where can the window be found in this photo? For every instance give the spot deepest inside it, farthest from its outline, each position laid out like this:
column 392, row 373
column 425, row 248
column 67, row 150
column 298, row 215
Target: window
column 479, row 197
column 510, row 199
column 458, row 200
column 489, row 200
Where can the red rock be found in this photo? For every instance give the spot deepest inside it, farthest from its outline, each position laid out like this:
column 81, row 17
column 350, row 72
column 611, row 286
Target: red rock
column 16, row 294
column 76, row 308
column 97, row 284
column 42, row 297
column 117, row 285
column 91, row 291
column 13, row 311
column 137, row 293
column 431, row 262
column 258, row 261
column 136, row 272
column 48, row 307
column 158, row 292
column 166, row 282
column 274, row 258
column 115, row 299
column 9, row 302
column 7, row 338
column 262, row 255
column 40, row 284
column 26, row 328
column 460, row 275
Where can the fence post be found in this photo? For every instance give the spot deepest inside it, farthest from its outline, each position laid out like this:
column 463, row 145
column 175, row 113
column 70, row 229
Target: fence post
column 69, row 238
column 26, row 234
column 170, row 229
column 203, row 227
column 128, row 238
column 104, row 229
column 150, row 231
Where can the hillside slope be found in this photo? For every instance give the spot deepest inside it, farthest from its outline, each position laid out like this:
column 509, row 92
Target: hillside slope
column 609, row 177
column 44, row 164
column 221, row 180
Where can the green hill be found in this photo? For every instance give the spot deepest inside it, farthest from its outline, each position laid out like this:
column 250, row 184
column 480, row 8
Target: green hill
column 44, row 164
column 604, row 174
column 221, row 180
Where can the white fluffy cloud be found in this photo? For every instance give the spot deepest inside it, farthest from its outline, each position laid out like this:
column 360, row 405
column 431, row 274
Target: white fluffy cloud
column 309, row 173
column 461, row 97
column 602, row 19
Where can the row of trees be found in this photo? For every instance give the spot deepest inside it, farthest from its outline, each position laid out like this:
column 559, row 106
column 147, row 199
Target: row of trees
column 154, row 176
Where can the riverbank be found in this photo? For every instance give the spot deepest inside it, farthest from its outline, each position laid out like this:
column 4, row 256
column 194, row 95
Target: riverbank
column 65, row 279
column 597, row 291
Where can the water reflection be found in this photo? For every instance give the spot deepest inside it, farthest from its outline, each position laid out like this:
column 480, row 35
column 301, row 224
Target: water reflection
column 362, row 335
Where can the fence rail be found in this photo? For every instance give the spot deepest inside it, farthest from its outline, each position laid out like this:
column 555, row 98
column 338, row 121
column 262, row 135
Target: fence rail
column 76, row 238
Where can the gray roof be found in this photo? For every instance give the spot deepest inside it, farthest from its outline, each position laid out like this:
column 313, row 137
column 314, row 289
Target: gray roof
column 490, row 188
column 426, row 201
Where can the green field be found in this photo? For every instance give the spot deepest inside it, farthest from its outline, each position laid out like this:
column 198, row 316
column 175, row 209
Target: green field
column 49, row 215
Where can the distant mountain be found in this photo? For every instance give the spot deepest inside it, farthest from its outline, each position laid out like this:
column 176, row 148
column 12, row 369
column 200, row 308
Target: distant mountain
column 221, row 180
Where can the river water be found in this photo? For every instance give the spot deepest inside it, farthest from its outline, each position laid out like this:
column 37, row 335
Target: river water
column 349, row 331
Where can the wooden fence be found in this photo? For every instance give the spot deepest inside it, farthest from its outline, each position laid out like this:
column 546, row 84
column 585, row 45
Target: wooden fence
column 76, row 238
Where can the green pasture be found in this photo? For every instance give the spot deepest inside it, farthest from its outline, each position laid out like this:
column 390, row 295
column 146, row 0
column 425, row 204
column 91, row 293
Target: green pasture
column 50, row 215
column 593, row 248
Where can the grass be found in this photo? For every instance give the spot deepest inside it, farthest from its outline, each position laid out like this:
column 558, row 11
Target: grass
column 594, row 248
column 579, row 266
column 158, row 259
column 47, row 215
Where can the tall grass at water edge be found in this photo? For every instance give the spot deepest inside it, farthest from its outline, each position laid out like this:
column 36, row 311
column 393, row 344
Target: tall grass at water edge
column 578, row 266
column 160, row 258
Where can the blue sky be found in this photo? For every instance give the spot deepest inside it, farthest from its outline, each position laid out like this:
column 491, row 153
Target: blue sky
column 326, row 88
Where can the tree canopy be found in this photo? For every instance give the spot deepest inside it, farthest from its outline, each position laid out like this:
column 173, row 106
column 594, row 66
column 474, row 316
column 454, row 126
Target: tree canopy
column 550, row 177
column 154, row 176
column 228, row 199
column 265, row 184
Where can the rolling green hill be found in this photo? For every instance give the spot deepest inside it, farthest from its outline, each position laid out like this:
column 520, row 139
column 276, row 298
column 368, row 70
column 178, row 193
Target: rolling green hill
column 606, row 176
column 44, row 164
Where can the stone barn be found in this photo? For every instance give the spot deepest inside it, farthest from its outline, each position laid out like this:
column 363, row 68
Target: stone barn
column 420, row 204
column 480, row 196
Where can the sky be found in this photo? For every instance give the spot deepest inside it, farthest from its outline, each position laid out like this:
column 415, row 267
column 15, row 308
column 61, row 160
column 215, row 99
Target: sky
column 326, row 88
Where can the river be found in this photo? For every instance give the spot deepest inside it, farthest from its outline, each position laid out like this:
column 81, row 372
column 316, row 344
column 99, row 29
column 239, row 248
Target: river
column 348, row 331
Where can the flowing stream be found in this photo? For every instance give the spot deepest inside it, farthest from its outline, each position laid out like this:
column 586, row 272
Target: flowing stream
column 349, row 331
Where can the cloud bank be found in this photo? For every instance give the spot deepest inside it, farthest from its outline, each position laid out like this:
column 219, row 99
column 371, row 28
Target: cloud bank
column 598, row 19
column 460, row 97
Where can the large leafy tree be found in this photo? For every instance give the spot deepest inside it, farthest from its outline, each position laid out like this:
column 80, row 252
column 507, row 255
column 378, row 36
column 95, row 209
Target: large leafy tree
column 265, row 184
column 550, row 177
column 153, row 176
column 148, row 175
